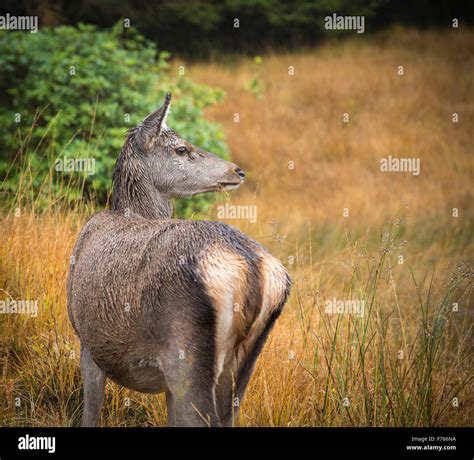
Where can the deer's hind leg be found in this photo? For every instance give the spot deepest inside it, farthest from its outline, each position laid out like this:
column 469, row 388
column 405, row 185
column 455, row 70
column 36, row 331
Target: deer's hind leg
column 234, row 379
column 94, row 387
column 266, row 294
column 190, row 397
column 249, row 363
column 227, row 401
column 170, row 409
column 188, row 363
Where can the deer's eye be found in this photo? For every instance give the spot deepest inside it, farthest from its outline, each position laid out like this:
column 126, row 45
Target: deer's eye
column 181, row 150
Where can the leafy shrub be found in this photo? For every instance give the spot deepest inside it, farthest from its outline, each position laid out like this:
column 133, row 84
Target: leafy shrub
column 72, row 92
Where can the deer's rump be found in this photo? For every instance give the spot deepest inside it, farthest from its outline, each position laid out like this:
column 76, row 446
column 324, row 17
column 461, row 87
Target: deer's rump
column 140, row 293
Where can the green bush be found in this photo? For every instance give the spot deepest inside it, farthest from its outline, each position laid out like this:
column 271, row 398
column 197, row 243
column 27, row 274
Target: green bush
column 72, row 92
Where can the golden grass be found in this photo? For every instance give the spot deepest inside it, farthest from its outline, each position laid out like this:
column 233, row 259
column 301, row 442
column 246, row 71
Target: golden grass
column 299, row 118
column 407, row 361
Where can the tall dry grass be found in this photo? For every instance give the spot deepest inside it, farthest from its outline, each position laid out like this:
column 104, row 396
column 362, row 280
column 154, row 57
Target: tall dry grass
column 407, row 361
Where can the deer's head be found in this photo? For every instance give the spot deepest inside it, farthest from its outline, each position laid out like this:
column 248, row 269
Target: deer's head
column 178, row 168
column 156, row 165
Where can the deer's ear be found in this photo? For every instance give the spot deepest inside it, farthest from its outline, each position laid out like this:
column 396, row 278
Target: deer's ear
column 154, row 123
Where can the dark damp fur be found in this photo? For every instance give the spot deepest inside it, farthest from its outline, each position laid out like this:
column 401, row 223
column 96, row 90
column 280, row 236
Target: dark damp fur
column 136, row 296
column 133, row 190
column 160, row 260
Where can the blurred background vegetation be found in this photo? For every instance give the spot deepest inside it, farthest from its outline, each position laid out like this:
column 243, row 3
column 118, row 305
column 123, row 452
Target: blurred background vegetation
column 201, row 28
column 72, row 90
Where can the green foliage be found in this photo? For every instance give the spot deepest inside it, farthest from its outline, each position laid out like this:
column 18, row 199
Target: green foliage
column 72, row 92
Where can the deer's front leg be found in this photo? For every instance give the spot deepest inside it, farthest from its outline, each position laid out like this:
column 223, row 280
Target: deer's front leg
column 94, row 386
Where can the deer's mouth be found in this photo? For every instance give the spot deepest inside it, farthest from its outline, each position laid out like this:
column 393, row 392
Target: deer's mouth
column 228, row 186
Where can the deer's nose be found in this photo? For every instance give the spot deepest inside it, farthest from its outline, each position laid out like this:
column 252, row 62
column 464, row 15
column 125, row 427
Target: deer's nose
column 240, row 173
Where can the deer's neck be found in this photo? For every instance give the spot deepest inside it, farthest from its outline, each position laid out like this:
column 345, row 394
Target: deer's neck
column 133, row 192
column 156, row 207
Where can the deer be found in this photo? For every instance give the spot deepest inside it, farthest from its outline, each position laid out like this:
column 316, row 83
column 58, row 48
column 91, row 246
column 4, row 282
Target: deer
column 165, row 305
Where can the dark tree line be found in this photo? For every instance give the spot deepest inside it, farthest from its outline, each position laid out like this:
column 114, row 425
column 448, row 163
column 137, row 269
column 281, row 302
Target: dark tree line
column 198, row 28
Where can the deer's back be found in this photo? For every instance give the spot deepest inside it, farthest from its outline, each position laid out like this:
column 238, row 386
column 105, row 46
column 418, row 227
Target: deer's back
column 136, row 284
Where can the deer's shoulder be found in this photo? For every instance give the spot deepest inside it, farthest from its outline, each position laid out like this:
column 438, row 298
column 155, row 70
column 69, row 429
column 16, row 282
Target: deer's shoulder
column 169, row 235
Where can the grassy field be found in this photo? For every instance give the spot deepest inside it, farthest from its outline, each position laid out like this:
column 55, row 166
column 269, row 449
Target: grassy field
column 398, row 244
